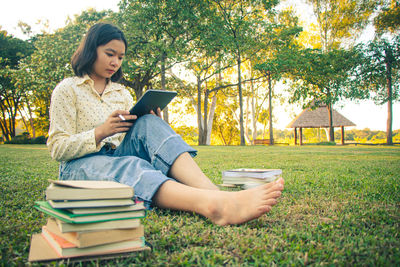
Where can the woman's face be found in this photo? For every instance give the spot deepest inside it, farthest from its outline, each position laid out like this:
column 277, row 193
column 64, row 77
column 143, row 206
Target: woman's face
column 109, row 59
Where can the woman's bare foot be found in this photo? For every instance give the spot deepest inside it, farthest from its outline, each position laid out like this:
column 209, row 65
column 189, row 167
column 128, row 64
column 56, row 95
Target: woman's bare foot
column 239, row 207
column 221, row 207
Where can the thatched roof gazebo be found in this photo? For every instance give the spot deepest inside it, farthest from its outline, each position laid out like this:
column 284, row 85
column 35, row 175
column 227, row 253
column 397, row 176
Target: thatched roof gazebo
column 318, row 118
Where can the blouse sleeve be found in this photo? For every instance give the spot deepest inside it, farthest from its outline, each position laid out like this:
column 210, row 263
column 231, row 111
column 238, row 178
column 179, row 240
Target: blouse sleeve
column 64, row 143
column 128, row 99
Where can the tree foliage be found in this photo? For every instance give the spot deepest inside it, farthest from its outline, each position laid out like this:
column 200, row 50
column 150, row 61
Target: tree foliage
column 158, row 32
column 341, row 21
column 389, row 17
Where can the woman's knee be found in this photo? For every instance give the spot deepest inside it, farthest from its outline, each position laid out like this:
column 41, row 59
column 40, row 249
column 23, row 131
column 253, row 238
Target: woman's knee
column 151, row 125
column 148, row 119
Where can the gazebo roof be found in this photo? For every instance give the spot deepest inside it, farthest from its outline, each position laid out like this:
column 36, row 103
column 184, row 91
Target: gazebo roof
column 319, row 118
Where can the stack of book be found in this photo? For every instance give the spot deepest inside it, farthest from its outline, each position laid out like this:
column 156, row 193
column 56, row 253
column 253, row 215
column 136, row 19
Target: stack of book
column 249, row 178
column 88, row 219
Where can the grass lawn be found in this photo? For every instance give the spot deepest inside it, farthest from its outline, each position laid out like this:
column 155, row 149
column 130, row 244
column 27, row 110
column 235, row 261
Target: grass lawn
column 340, row 206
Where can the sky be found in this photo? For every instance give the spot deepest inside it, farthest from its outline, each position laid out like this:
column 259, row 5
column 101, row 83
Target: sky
column 364, row 114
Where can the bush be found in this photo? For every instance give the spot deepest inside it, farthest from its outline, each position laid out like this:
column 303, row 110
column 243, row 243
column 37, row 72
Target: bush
column 39, row 140
column 19, row 139
column 23, row 139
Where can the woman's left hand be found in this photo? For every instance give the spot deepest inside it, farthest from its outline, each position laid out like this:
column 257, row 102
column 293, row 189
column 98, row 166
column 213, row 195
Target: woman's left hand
column 159, row 114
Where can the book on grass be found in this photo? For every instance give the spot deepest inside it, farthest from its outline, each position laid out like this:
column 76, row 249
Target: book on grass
column 97, row 210
column 253, row 173
column 67, row 216
column 70, row 204
column 65, row 248
column 94, row 238
column 41, row 251
column 84, row 190
column 66, row 227
column 249, row 178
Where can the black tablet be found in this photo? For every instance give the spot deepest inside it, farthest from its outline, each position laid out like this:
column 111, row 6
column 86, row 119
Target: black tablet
column 151, row 100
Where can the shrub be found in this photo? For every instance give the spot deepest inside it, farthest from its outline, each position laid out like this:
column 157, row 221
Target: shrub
column 23, row 139
column 18, row 139
column 39, row 140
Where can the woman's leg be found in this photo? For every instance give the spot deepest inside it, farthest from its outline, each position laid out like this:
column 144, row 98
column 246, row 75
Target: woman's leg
column 185, row 170
column 130, row 170
column 152, row 139
column 220, row 207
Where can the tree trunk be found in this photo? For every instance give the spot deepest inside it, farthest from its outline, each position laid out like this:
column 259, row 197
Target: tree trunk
column 199, row 117
column 212, row 109
column 23, row 120
column 205, row 113
column 211, row 119
column 30, row 116
column 253, row 111
column 248, row 139
column 8, row 119
column 4, row 130
column 163, row 59
column 331, row 131
column 271, row 128
column 31, row 121
column 388, row 59
column 242, row 140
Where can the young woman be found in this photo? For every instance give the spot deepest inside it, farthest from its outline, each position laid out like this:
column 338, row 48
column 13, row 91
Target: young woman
column 92, row 142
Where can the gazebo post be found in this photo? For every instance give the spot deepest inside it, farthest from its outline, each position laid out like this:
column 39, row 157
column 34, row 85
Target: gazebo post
column 295, row 136
column 301, row 136
column 342, row 127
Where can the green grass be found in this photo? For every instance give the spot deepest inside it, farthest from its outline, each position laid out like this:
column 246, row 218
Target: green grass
column 340, row 206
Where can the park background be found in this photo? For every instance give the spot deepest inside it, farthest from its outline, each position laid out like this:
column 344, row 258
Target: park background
column 42, row 61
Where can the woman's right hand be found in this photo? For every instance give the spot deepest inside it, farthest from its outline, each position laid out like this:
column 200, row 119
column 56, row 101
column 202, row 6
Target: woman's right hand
column 114, row 124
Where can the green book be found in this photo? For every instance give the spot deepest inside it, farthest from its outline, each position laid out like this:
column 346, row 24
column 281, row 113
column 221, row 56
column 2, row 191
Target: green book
column 66, row 216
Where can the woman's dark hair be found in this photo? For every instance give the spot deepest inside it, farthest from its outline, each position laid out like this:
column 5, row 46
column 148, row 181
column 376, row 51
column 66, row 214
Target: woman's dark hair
column 84, row 57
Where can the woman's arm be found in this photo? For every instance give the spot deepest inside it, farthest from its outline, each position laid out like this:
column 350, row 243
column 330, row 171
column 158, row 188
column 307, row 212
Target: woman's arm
column 64, row 142
column 113, row 125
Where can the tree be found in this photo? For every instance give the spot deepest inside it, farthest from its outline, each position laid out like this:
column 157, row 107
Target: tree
column 278, row 55
column 329, row 67
column 12, row 50
column 379, row 73
column 325, row 78
column 243, row 21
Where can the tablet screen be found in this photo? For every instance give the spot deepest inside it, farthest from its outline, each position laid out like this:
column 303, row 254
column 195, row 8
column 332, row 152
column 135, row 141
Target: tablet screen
column 151, row 100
